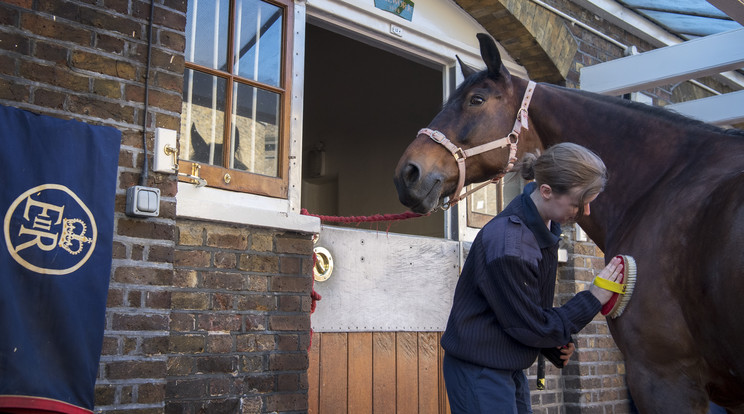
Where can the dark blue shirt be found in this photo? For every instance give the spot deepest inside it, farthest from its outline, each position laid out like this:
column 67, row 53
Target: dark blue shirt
column 503, row 311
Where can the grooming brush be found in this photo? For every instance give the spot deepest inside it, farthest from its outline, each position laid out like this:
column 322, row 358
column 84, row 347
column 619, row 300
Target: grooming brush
column 623, row 289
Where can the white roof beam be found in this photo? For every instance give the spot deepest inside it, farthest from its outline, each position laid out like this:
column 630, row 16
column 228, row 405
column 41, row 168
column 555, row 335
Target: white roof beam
column 723, row 109
column 692, row 59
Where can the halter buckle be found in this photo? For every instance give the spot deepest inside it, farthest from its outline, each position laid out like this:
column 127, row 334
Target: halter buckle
column 459, row 154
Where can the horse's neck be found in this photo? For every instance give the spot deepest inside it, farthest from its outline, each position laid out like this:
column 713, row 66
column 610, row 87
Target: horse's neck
column 621, row 136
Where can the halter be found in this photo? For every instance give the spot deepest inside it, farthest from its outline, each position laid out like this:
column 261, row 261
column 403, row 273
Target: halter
column 511, row 140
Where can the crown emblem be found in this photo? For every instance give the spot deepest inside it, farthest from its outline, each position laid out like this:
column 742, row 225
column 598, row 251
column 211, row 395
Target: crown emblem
column 69, row 236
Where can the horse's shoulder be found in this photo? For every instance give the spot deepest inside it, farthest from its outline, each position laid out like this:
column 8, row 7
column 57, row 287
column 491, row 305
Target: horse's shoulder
column 510, row 236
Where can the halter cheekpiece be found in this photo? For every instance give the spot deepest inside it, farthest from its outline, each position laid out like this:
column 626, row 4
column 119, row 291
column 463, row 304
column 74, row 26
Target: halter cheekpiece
column 511, row 140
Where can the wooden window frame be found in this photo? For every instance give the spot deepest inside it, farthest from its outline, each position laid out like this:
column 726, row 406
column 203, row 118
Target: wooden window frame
column 246, row 181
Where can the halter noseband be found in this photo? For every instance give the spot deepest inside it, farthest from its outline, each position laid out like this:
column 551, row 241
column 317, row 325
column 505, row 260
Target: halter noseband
column 511, row 140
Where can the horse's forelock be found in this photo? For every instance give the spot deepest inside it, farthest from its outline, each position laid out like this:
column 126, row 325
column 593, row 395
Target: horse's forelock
column 468, row 83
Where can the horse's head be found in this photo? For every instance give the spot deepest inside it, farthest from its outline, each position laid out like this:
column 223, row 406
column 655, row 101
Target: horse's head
column 482, row 110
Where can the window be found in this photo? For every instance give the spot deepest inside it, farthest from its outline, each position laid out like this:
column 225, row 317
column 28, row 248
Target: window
column 489, row 201
column 236, row 100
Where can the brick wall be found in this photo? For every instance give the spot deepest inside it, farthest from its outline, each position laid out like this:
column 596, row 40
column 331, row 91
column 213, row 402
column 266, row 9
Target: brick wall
column 200, row 317
column 240, row 320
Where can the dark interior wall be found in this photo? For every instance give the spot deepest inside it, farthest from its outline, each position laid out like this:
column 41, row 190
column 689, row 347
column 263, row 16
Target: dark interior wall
column 364, row 105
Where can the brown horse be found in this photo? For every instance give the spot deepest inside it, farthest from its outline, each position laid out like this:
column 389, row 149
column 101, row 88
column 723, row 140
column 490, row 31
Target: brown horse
column 674, row 201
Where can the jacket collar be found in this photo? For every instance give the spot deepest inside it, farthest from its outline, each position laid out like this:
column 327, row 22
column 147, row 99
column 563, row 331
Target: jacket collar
column 545, row 238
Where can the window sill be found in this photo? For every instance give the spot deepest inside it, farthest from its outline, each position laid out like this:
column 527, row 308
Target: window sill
column 227, row 206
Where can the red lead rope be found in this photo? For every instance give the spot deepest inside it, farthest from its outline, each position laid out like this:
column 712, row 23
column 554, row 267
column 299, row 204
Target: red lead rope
column 364, row 219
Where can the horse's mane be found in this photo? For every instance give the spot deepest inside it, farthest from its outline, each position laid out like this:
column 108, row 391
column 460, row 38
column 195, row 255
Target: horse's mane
column 656, row 111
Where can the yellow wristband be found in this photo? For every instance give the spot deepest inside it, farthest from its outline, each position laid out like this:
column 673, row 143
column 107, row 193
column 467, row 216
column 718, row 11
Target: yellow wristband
column 609, row 285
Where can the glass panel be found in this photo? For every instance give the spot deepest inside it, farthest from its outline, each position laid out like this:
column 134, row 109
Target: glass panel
column 206, row 33
column 698, row 7
column 202, row 118
column 513, row 186
column 486, row 200
column 691, row 25
column 255, row 133
column 258, row 50
column 493, row 198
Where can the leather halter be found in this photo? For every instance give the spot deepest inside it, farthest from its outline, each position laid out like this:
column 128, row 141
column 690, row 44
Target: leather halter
column 511, row 140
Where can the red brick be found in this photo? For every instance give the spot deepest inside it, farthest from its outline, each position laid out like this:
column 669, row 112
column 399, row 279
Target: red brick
column 257, row 302
column 99, row 108
column 150, row 393
column 54, row 75
column 291, row 284
column 188, row 344
column 299, row 322
column 158, row 299
column 145, row 229
column 219, row 344
column 286, row 402
column 104, row 394
column 219, row 322
column 102, row 64
column 107, row 87
column 189, row 300
column 222, row 301
column 225, row 260
column 154, row 345
column 224, row 280
column 139, row 322
column 255, row 342
column 7, row 65
column 55, row 30
column 14, row 42
column 12, row 91
column 295, row 245
column 180, row 365
column 182, row 322
column 135, row 369
column 259, row 263
column 143, row 276
column 226, row 238
column 217, row 364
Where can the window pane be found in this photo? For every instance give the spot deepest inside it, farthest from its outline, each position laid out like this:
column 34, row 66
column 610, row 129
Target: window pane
column 206, row 33
column 258, row 49
column 203, row 118
column 513, row 186
column 255, row 133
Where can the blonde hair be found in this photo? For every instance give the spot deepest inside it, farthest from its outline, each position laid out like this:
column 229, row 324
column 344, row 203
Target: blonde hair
column 564, row 167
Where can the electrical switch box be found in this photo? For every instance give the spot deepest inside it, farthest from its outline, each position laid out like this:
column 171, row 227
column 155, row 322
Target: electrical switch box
column 165, row 156
column 143, row 201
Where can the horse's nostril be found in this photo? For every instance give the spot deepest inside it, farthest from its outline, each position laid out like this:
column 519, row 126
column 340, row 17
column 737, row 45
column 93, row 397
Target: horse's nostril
column 411, row 174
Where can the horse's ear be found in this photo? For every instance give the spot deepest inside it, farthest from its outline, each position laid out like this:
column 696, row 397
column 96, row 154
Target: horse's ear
column 491, row 56
column 467, row 71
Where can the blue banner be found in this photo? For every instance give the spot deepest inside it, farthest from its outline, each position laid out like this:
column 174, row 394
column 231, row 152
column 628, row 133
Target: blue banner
column 58, row 179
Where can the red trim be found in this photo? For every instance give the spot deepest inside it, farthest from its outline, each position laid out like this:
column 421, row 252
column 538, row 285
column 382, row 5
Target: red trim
column 21, row 404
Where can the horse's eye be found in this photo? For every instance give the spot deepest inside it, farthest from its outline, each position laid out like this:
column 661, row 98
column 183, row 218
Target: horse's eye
column 477, row 100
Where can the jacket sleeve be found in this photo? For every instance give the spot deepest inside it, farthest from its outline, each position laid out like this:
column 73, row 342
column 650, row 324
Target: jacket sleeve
column 510, row 284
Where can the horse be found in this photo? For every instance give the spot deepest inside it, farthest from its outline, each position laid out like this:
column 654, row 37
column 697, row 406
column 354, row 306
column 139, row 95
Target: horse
column 674, row 201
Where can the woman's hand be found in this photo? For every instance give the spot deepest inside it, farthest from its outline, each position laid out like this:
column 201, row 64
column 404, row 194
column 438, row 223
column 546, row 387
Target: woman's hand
column 612, row 273
column 566, row 352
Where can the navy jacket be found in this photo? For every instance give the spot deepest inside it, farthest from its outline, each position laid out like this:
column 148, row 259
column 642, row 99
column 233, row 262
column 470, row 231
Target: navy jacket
column 503, row 311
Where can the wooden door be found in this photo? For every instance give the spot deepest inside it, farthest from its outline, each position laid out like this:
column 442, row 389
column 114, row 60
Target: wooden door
column 375, row 346
column 376, row 372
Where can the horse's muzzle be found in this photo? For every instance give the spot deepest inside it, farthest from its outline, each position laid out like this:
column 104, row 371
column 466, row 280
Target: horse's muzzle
column 419, row 193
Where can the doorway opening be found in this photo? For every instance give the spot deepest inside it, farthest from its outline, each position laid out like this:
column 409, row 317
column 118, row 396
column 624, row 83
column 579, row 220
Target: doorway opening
column 362, row 107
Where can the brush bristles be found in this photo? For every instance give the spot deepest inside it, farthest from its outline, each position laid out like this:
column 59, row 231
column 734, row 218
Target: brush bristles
column 629, row 273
